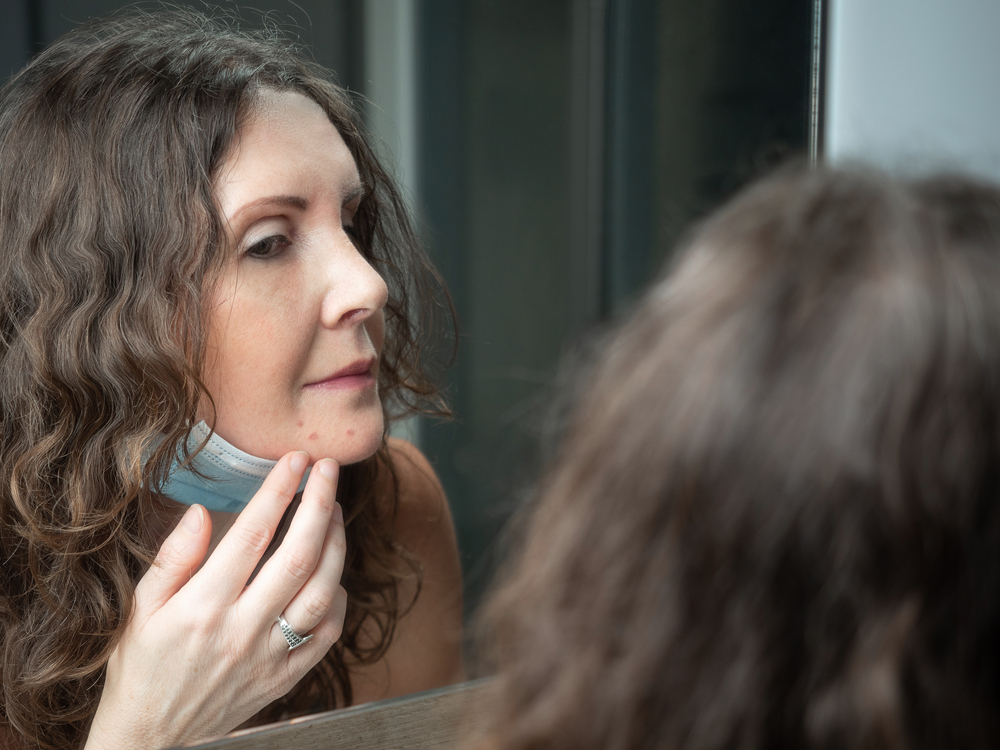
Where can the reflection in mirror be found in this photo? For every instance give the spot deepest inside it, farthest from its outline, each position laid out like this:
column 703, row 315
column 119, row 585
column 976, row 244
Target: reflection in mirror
column 549, row 153
column 213, row 301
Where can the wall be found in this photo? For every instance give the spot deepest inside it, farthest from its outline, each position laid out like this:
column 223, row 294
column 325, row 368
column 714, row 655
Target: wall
column 915, row 84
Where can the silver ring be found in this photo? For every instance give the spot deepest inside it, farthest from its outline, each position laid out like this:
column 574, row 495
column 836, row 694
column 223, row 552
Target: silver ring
column 294, row 639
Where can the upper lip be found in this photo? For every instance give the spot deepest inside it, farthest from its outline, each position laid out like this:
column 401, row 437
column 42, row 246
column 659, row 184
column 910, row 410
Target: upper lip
column 359, row 367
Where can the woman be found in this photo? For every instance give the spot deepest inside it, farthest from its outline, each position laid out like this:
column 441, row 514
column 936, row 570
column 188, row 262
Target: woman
column 196, row 234
column 774, row 521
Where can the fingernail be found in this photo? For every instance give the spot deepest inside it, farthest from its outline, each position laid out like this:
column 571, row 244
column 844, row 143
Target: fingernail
column 338, row 513
column 328, row 468
column 299, row 461
column 193, row 519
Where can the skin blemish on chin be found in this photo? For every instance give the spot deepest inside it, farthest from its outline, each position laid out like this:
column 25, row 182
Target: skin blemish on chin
column 314, row 436
column 301, row 423
column 350, row 433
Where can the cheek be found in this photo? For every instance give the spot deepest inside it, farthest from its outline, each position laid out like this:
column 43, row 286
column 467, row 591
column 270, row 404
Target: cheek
column 245, row 349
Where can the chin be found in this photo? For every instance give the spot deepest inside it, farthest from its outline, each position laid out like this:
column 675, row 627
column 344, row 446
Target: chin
column 351, row 445
column 356, row 452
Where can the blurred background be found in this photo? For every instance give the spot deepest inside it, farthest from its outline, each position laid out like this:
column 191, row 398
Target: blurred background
column 552, row 152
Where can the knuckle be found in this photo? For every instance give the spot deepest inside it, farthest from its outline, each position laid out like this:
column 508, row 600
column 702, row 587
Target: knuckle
column 203, row 623
column 341, row 600
column 338, row 543
column 332, row 626
column 325, row 500
column 331, row 630
column 173, row 554
column 253, row 537
column 299, row 564
column 317, row 604
column 168, row 557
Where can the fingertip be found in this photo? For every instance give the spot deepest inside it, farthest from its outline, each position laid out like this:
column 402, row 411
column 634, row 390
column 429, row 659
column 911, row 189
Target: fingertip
column 299, row 461
column 328, row 468
column 194, row 520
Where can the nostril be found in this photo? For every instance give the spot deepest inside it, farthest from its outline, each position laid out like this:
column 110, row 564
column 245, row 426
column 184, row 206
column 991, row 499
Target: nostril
column 355, row 314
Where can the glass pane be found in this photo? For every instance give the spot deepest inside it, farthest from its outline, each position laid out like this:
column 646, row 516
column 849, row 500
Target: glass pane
column 495, row 102
column 693, row 100
column 702, row 98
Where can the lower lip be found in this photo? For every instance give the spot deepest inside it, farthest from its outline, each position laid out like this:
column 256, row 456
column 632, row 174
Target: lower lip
column 345, row 383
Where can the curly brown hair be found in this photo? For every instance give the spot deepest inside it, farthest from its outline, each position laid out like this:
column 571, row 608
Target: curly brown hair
column 109, row 143
column 774, row 521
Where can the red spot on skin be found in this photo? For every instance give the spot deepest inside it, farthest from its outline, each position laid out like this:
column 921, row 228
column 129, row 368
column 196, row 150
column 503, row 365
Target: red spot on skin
column 350, row 432
column 301, row 423
column 314, row 436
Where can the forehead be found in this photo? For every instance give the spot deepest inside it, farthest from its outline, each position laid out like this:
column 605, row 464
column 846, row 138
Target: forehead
column 287, row 146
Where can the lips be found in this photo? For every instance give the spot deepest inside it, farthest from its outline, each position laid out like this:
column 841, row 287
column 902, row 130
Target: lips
column 356, row 374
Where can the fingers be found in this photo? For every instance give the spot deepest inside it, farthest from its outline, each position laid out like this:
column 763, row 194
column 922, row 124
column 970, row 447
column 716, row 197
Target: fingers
column 326, row 631
column 209, row 642
column 229, row 567
column 308, row 564
column 179, row 557
column 318, row 596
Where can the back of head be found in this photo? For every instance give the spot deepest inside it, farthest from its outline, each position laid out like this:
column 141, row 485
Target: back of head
column 774, row 519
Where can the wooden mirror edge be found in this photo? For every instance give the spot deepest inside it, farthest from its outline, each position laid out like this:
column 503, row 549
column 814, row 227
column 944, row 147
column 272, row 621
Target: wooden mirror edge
column 437, row 719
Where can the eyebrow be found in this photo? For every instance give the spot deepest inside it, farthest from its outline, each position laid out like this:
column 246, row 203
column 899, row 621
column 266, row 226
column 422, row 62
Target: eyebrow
column 285, row 201
column 295, row 201
column 358, row 191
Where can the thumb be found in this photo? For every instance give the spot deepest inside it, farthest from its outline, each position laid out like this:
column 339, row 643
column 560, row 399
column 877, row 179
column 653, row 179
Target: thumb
column 175, row 563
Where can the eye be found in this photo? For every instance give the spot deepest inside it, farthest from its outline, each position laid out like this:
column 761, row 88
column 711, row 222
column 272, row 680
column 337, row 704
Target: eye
column 269, row 247
column 348, row 215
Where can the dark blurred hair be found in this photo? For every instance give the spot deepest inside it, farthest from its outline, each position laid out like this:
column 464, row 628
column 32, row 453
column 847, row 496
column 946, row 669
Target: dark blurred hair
column 109, row 143
column 775, row 519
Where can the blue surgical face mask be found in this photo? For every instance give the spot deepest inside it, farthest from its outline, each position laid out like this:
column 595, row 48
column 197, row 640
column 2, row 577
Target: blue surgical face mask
column 230, row 476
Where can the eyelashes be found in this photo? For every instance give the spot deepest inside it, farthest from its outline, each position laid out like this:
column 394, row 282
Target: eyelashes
column 269, row 247
column 273, row 246
column 286, row 229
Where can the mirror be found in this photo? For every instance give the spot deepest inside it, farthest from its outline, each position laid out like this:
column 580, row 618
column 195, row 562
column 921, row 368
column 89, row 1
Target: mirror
column 552, row 153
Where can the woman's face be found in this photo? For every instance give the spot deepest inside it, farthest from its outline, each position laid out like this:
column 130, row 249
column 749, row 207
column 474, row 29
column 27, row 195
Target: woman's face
column 295, row 318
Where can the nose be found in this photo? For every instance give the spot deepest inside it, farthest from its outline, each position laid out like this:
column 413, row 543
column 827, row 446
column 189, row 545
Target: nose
column 355, row 290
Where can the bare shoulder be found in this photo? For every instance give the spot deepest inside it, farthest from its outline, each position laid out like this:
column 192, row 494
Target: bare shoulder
column 422, row 523
column 418, row 483
column 421, row 498
column 426, row 651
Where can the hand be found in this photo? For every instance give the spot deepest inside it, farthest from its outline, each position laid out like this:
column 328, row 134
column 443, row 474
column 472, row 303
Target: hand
column 203, row 653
